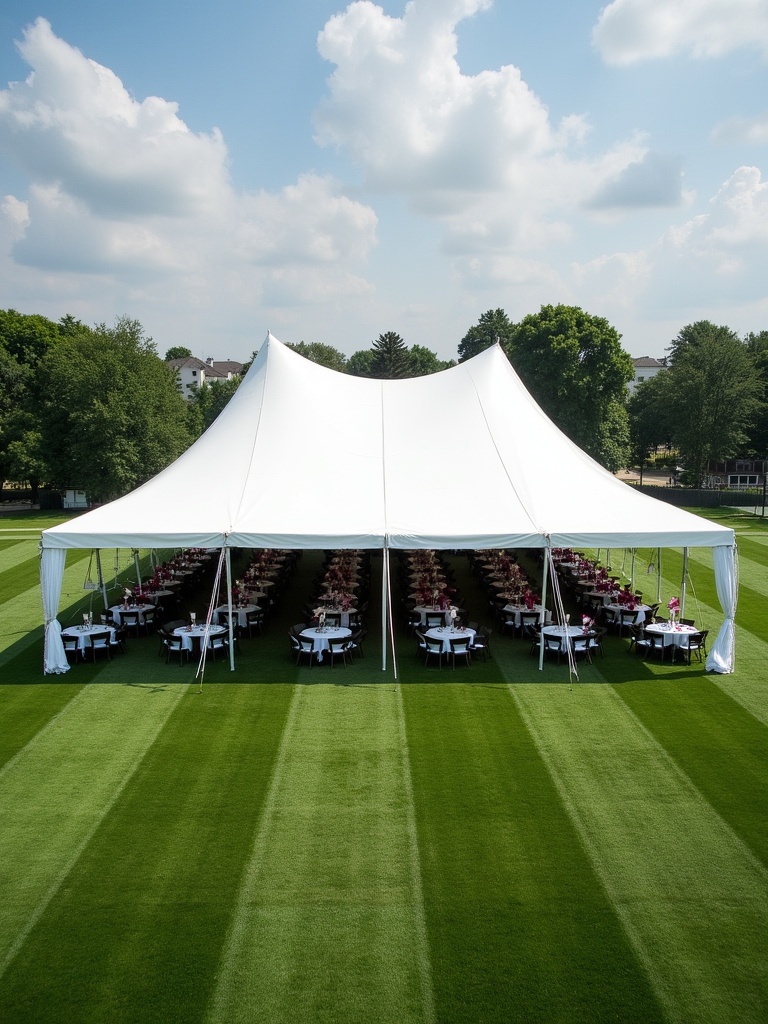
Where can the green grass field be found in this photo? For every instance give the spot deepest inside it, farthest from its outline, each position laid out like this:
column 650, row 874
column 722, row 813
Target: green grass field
column 489, row 844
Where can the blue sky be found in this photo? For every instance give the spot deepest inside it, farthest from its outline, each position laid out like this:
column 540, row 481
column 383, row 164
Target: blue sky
column 334, row 171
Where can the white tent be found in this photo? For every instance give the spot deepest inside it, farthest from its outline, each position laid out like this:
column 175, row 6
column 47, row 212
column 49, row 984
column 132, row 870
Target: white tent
column 306, row 457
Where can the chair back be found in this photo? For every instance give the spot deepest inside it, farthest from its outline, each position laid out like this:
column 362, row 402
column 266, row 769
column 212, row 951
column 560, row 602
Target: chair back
column 434, row 619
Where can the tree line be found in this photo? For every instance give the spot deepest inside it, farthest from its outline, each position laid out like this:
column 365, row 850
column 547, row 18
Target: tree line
column 97, row 408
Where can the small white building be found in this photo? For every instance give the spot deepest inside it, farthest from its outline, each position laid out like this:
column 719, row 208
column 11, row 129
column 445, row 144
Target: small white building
column 194, row 372
column 645, row 368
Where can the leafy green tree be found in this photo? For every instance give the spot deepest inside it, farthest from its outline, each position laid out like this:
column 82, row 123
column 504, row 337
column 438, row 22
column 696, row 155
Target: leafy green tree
column 27, row 337
column 424, row 361
column 391, row 359
column 177, row 352
column 492, row 325
column 208, row 402
column 325, row 355
column 110, row 415
column 360, row 364
column 650, row 417
column 717, row 395
column 757, row 346
column 574, row 366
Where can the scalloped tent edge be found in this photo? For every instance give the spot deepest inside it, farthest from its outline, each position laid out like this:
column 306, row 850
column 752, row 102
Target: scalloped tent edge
column 309, row 458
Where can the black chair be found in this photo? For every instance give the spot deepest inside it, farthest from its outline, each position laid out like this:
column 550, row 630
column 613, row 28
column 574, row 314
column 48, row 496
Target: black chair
column 482, row 643
column 254, row 622
column 100, row 645
column 656, row 646
column 130, row 622
column 434, row 620
column 71, row 648
column 461, row 648
column 175, row 649
column 149, row 616
column 697, row 644
column 433, row 649
column 355, row 642
column 339, row 648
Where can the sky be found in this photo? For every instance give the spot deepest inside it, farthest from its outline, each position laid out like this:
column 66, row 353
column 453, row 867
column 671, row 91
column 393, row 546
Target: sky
column 331, row 172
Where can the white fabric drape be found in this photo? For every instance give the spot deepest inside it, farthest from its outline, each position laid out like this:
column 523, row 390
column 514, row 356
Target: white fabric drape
column 722, row 652
column 51, row 578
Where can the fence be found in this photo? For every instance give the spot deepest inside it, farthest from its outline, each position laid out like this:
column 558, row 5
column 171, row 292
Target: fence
column 689, row 497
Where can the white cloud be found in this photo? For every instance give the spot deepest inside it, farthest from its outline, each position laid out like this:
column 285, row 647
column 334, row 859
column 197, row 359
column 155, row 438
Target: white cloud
column 749, row 130
column 124, row 190
column 628, row 31
column 476, row 153
column 654, row 180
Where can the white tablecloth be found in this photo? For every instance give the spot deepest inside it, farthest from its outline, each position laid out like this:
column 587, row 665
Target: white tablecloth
column 639, row 611
column 519, row 608
column 572, row 631
column 425, row 609
column 84, row 635
column 448, row 633
column 242, row 613
column 673, row 636
column 186, row 633
column 118, row 609
column 321, row 639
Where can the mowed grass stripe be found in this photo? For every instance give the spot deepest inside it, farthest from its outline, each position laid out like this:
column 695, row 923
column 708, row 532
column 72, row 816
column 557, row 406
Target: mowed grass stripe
column 27, row 712
column 520, row 926
column 720, row 746
column 136, row 932
column 12, row 552
column 327, row 926
column 692, row 897
column 56, row 793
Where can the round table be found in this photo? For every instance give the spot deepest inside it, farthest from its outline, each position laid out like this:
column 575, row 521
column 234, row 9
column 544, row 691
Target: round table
column 83, row 633
column 242, row 613
column 187, row 633
column 118, row 609
column 448, row 633
column 518, row 609
column 321, row 638
column 563, row 631
column 672, row 636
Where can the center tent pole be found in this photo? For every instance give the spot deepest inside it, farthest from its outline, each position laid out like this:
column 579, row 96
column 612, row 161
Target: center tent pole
column 682, row 583
column 391, row 617
column 384, row 604
column 229, row 610
column 102, row 584
column 543, row 613
column 136, row 563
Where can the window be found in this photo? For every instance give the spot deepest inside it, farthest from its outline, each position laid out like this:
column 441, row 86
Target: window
column 742, row 480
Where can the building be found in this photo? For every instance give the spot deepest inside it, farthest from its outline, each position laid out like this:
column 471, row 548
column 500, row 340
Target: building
column 735, row 474
column 194, row 372
column 645, row 368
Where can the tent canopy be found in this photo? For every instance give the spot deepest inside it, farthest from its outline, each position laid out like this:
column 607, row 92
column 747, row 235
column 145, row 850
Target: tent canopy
column 306, row 457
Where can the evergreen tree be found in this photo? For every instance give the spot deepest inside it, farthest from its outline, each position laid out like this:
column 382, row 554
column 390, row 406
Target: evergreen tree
column 391, row 359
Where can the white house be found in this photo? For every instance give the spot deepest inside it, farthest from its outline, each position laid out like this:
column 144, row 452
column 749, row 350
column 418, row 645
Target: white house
column 194, row 372
column 645, row 368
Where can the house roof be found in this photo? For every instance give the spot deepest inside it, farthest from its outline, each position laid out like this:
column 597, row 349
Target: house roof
column 647, row 361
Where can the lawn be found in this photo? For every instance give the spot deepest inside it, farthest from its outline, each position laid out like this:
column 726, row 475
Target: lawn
column 489, row 844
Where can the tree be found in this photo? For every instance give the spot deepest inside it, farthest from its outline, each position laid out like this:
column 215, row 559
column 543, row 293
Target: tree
column 325, row 355
column 424, row 361
column 177, row 352
column 574, row 366
column 208, row 402
column 360, row 363
column 390, row 357
column 492, row 324
column 110, row 414
column 757, row 346
column 717, row 394
column 649, row 411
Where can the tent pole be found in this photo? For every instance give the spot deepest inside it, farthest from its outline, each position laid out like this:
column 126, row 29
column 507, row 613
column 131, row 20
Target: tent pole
column 229, row 610
column 682, row 584
column 102, row 584
column 632, row 569
column 543, row 613
column 658, row 575
column 391, row 617
column 384, row 595
column 136, row 563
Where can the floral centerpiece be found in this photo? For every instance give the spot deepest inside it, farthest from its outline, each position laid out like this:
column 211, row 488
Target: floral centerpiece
column 530, row 599
column 587, row 623
column 127, row 597
column 674, row 609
